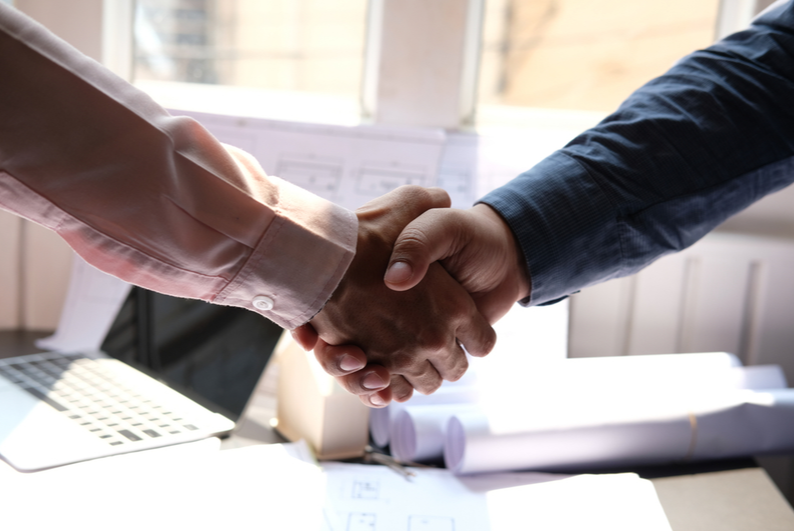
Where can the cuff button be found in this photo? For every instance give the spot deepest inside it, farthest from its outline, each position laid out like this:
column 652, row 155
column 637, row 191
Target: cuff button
column 261, row 302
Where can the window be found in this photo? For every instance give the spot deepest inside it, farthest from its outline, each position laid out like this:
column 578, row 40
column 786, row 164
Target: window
column 286, row 45
column 585, row 54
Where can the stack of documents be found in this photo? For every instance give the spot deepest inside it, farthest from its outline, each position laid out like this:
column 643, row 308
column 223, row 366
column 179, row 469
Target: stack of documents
column 580, row 414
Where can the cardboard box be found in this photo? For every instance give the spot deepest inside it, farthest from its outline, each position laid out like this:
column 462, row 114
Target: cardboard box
column 314, row 407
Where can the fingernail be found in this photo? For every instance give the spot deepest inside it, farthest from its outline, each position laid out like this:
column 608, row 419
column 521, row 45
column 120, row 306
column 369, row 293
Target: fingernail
column 377, row 400
column 403, row 397
column 398, row 272
column 349, row 363
column 373, row 381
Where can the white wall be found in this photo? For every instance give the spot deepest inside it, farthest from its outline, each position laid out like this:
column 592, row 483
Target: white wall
column 728, row 292
column 10, row 317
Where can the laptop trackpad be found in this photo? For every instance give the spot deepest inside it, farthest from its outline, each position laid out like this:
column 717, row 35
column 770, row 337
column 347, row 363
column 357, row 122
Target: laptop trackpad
column 28, row 426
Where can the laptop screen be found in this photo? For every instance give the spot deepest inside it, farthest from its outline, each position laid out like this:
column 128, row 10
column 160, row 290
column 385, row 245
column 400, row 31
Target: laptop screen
column 212, row 354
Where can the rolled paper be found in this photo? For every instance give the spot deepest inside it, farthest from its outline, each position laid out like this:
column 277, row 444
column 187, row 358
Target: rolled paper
column 602, row 432
column 464, row 391
column 418, row 431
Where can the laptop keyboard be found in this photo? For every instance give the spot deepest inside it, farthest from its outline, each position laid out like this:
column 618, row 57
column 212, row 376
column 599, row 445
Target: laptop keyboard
column 95, row 397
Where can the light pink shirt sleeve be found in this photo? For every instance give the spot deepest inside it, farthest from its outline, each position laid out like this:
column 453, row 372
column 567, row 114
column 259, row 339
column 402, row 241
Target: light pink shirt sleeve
column 154, row 199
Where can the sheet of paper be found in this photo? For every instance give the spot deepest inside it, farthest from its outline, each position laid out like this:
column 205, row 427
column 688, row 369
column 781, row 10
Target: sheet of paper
column 458, row 169
column 346, row 165
column 371, row 498
column 375, row 498
column 473, row 165
column 350, row 165
column 257, row 487
column 620, row 502
column 92, row 302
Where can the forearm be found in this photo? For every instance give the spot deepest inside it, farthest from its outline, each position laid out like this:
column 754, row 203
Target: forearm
column 681, row 155
column 151, row 198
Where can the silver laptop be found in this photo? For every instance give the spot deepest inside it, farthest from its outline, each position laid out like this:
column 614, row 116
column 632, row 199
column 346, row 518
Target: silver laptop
column 169, row 371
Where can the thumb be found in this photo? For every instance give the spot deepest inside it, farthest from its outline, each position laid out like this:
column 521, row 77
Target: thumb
column 430, row 237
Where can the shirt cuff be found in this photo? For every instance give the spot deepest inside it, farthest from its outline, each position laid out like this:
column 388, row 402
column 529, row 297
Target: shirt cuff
column 565, row 225
column 298, row 262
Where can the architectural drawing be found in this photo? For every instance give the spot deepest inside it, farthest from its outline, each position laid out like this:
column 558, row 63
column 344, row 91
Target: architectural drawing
column 361, row 522
column 376, row 180
column 365, row 490
column 319, row 175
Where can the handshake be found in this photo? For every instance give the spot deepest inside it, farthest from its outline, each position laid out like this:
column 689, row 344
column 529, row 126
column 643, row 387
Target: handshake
column 427, row 282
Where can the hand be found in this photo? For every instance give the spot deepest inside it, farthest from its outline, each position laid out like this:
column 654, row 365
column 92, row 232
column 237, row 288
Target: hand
column 348, row 364
column 413, row 334
column 475, row 246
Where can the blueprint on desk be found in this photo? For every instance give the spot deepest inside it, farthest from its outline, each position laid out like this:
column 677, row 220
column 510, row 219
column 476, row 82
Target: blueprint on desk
column 346, row 165
column 375, row 498
column 350, row 165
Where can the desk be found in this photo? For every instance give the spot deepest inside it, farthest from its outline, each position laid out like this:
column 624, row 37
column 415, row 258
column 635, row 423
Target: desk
column 733, row 500
column 740, row 499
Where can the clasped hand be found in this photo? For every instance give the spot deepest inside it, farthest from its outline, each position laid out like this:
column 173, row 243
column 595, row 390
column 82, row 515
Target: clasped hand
column 426, row 279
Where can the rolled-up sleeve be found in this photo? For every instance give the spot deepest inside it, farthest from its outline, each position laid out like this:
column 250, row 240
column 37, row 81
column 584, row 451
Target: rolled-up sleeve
column 154, row 199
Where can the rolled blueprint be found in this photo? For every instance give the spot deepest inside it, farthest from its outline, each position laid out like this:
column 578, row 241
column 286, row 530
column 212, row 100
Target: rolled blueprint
column 379, row 423
column 571, row 433
column 597, row 374
column 464, row 391
column 418, row 431
column 747, row 423
column 757, row 377
column 625, row 374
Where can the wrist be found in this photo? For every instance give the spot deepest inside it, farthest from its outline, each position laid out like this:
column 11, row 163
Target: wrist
column 516, row 273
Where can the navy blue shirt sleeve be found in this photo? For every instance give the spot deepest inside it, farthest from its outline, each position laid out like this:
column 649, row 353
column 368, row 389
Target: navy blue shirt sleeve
column 680, row 155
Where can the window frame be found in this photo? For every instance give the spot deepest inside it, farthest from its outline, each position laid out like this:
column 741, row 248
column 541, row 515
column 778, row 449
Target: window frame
column 117, row 47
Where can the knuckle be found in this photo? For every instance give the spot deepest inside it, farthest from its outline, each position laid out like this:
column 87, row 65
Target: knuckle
column 417, row 371
column 401, row 363
column 456, row 372
column 412, row 192
column 430, row 386
column 435, row 341
column 423, row 198
column 414, row 237
column 418, row 193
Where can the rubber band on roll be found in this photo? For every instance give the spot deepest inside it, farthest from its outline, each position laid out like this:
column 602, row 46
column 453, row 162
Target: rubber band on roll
column 693, row 436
